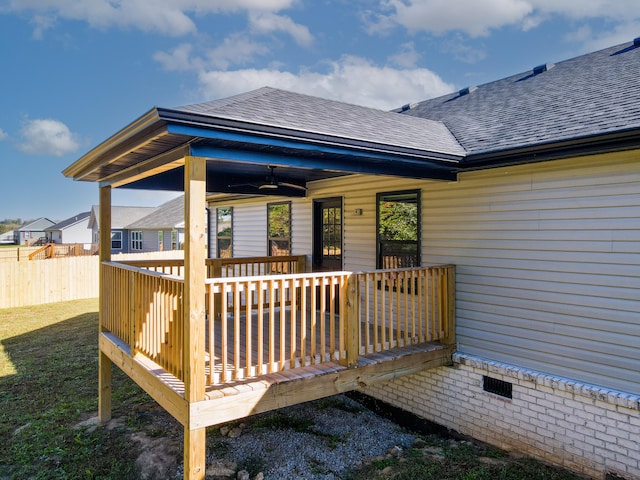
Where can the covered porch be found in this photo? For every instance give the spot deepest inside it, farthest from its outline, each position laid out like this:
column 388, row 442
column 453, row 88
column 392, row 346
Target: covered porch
column 213, row 340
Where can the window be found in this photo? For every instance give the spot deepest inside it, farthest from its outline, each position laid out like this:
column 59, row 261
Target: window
column 279, row 228
column 136, row 240
column 398, row 229
column 160, row 240
column 174, row 240
column 116, row 240
column 224, row 232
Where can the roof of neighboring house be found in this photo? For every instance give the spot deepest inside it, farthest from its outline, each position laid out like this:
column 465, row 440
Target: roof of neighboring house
column 167, row 216
column 84, row 216
column 593, row 95
column 38, row 225
column 120, row 216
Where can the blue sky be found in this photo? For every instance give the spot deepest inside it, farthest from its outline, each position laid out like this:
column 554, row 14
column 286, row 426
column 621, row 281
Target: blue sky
column 76, row 71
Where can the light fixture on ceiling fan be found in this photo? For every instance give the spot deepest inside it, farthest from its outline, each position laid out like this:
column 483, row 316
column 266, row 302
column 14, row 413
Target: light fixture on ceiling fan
column 271, row 183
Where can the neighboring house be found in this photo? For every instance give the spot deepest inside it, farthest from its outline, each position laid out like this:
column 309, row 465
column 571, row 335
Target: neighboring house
column 162, row 229
column 121, row 217
column 72, row 230
column 33, row 232
column 529, row 185
column 7, row 237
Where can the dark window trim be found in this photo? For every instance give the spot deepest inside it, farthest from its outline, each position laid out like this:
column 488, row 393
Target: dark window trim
column 379, row 195
column 218, row 237
column 288, row 202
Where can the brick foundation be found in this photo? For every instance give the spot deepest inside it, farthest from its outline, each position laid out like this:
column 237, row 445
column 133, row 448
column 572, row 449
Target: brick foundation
column 587, row 429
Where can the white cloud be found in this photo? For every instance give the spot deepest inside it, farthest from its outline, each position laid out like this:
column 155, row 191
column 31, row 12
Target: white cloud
column 351, row 79
column 164, row 16
column 471, row 16
column 267, row 22
column 47, row 137
column 618, row 34
column 3, row 135
column 178, row 59
column 237, row 49
column 407, row 57
column 478, row 18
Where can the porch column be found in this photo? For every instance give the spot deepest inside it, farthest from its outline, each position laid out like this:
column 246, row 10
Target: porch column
column 104, row 255
column 194, row 309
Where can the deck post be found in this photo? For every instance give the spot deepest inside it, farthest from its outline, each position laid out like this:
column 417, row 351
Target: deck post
column 352, row 326
column 450, row 305
column 104, row 362
column 194, row 310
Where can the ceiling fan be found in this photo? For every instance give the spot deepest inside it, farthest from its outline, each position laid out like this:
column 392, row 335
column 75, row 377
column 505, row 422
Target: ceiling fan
column 270, row 183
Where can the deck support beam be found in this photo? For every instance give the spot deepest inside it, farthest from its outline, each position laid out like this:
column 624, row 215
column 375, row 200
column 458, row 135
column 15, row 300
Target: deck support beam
column 104, row 363
column 194, row 310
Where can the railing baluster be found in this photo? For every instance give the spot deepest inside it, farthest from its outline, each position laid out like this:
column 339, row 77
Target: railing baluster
column 283, row 324
column 224, row 338
column 314, row 305
column 293, row 342
column 271, row 326
column 248, row 327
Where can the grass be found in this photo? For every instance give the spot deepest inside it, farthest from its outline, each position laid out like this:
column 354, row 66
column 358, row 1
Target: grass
column 48, row 384
column 48, row 372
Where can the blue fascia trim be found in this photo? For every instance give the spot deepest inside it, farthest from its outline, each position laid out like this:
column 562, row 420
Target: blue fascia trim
column 350, row 161
column 383, row 166
column 299, row 145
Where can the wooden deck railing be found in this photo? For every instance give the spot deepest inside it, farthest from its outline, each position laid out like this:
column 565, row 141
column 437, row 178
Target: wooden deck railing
column 265, row 323
column 145, row 309
column 57, row 250
column 230, row 267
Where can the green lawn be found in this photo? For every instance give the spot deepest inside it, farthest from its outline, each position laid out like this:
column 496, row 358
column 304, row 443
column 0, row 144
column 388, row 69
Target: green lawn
column 48, row 384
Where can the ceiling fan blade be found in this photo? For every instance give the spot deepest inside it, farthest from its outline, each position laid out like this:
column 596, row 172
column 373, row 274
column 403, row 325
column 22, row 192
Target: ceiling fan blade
column 292, row 185
column 237, row 185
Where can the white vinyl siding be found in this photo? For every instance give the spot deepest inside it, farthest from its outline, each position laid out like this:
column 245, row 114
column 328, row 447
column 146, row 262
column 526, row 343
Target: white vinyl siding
column 548, row 265
column 547, row 257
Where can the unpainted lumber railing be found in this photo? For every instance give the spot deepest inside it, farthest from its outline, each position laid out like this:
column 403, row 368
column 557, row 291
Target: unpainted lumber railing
column 57, row 250
column 266, row 323
column 230, row 267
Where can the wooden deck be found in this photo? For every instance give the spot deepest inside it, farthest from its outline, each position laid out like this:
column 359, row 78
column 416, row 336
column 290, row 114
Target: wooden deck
column 274, row 336
column 241, row 398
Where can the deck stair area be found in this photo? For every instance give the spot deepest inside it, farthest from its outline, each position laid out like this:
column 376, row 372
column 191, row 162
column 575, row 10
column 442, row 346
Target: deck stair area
column 273, row 334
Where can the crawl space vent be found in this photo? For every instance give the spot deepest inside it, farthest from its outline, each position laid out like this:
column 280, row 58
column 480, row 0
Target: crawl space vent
column 498, row 387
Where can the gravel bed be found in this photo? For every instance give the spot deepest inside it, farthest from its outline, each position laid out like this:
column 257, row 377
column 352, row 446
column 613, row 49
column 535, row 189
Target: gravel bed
column 318, row 440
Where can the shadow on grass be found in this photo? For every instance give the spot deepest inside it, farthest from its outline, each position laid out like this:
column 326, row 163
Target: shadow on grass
column 53, row 387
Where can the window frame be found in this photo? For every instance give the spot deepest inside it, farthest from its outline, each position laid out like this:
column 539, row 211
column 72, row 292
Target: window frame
column 271, row 240
column 418, row 242
column 219, row 237
column 136, row 243
column 119, row 234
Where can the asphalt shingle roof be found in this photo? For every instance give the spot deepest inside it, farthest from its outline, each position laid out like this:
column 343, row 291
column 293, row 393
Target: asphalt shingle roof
column 121, row 216
column 70, row 221
column 283, row 109
column 167, row 216
column 593, row 94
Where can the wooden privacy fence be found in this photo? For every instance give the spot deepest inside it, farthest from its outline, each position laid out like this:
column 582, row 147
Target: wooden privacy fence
column 267, row 323
column 24, row 282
